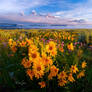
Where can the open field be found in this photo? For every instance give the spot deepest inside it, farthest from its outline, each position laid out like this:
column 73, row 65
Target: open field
column 46, row 60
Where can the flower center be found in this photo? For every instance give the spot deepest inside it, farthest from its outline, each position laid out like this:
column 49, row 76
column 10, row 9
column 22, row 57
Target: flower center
column 34, row 55
column 28, row 63
column 50, row 48
column 38, row 68
column 62, row 74
column 46, row 60
column 55, row 70
column 73, row 68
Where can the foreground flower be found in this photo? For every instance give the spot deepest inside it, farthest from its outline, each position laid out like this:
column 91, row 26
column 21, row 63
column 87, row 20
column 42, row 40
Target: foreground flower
column 70, row 46
column 30, row 73
column 14, row 49
column 10, row 42
column 53, row 72
column 70, row 78
column 29, row 41
column 81, row 74
column 84, row 64
column 62, row 82
column 33, row 56
column 26, row 63
column 38, row 68
column 62, row 75
column 42, row 84
column 47, row 61
column 51, row 48
column 74, row 69
column 32, row 48
column 61, row 49
column 22, row 44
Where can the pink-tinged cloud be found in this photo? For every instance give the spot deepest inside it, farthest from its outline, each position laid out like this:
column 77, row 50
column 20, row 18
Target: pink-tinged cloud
column 15, row 18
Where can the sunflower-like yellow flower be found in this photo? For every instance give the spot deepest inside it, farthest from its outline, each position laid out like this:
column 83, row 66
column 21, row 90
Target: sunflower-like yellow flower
column 74, row 69
column 70, row 46
column 42, row 84
column 32, row 48
column 38, row 68
column 10, row 42
column 44, row 54
column 72, row 38
column 53, row 72
column 69, row 38
column 47, row 60
column 62, row 82
column 29, row 42
column 33, row 56
column 62, row 75
column 70, row 78
column 30, row 73
column 26, row 63
column 61, row 49
column 84, row 64
column 14, row 49
column 50, row 76
column 81, row 74
column 14, row 43
column 22, row 44
column 51, row 48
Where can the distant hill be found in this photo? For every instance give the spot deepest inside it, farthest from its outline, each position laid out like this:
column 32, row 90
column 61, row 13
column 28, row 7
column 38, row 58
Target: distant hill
column 28, row 26
column 9, row 26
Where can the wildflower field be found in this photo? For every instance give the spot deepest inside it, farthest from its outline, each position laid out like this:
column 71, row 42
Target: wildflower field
column 46, row 60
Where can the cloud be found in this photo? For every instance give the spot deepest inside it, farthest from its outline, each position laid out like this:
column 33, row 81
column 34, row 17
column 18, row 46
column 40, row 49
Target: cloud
column 22, row 5
column 40, row 19
column 78, row 11
column 67, row 12
column 19, row 5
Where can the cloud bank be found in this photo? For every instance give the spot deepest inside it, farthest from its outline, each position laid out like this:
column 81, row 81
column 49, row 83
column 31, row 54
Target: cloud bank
column 70, row 12
column 28, row 19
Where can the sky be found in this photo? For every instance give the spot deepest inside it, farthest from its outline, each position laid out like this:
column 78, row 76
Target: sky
column 62, row 10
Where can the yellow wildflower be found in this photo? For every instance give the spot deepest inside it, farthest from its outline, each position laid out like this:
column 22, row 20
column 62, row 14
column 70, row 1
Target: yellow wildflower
column 62, row 82
column 26, row 63
column 70, row 46
column 38, row 68
column 22, row 44
column 42, row 84
column 32, row 48
column 62, row 75
column 61, row 49
column 30, row 73
column 70, row 78
column 33, row 56
column 10, row 42
column 84, row 64
column 51, row 48
column 29, row 41
column 47, row 60
column 14, row 49
column 74, row 69
column 53, row 72
column 81, row 74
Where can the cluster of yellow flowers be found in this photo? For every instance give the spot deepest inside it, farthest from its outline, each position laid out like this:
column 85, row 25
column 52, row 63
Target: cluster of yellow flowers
column 66, row 77
column 40, row 61
column 12, row 45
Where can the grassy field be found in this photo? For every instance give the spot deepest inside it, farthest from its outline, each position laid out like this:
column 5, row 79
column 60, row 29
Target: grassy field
column 46, row 60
